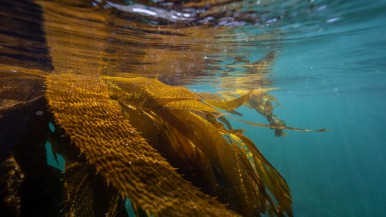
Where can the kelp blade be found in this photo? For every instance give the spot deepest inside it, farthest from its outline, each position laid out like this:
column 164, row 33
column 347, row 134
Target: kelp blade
column 100, row 131
column 193, row 140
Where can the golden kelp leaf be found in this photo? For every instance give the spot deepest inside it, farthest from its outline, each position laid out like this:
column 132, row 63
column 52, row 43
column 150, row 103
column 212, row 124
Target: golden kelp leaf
column 136, row 92
column 233, row 99
column 192, row 142
column 282, row 127
column 226, row 122
column 195, row 142
column 205, row 137
column 152, row 87
column 256, row 99
column 232, row 104
column 190, row 105
column 122, row 75
column 150, row 93
column 274, row 182
column 264, row 200
column 192, row 161
column 101, row 132
column 209, row 96
column 263, row 174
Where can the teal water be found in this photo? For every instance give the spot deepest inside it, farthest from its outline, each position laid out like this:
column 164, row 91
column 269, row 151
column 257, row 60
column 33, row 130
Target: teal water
column 339, row 173
column 333, row 78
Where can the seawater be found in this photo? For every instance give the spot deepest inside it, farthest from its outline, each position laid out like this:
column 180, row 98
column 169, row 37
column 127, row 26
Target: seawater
column 333, row 76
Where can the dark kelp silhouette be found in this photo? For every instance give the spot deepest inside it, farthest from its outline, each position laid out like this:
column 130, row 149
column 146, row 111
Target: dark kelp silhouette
column 173, row 152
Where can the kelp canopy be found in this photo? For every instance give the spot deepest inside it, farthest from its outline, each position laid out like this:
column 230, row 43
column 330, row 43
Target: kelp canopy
column 127, row 130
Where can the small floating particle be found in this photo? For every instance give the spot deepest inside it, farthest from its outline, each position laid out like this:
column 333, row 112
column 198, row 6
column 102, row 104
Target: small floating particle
column 333, row 20
column 40, row 113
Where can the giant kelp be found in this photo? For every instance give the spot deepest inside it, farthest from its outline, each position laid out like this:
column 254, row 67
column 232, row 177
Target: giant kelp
column 103, row 115
column 171, row 151
column 108, row 141
column 185, row 128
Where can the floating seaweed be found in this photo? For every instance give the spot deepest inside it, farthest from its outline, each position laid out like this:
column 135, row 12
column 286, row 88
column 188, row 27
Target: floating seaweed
column 173, row 152
column 129, row 129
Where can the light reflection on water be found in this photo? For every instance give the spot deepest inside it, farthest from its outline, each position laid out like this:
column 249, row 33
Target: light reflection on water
column 329, row 67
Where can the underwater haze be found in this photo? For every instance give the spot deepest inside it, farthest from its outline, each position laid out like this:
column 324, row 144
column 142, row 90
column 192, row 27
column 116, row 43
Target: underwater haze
column 323, row 62
column 331, row 73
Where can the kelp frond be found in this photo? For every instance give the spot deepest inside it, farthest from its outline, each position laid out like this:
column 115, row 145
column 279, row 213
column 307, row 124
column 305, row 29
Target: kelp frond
column 256, row 99
column 123, row 125
column 191, row 137
column 282, row 127
column 99, row 129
